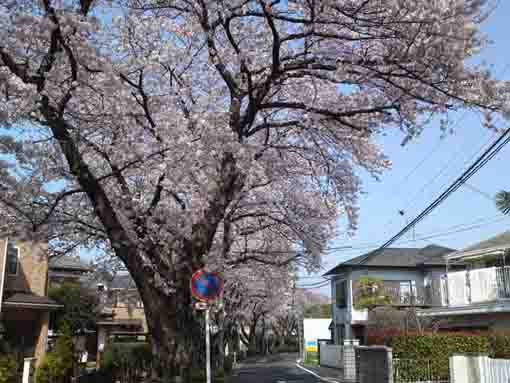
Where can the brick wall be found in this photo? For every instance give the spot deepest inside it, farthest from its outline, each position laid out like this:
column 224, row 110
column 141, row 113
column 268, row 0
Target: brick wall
column 374, row 365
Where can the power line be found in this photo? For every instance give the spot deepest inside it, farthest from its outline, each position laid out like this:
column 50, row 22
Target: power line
column 315, row 286
column 483, row 221
column 481, row 192
column 446, row 166
column 494, row 149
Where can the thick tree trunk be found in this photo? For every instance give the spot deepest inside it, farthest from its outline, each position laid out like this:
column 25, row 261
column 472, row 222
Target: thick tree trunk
column 173, row 325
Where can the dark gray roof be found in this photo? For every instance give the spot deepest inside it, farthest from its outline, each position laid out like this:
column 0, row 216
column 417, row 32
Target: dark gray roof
column 500, row 240
column 66, row 262
column 30, row 299
column 122, row 281
column 432, row 255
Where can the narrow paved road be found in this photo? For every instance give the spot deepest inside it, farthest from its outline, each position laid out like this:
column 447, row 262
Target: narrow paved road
column 271, row 369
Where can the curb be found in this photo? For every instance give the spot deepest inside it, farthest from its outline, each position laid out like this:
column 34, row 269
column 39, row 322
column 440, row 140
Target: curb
column 316, row 375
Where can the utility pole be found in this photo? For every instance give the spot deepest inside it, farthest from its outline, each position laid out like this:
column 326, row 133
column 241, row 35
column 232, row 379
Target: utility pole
column 208, row 344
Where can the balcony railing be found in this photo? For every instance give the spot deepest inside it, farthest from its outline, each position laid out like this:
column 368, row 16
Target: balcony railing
column 478, row 286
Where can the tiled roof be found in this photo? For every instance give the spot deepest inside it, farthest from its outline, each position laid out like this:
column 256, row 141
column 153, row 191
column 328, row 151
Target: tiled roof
column 397, row 257
column 500, row 240
column 68, row 263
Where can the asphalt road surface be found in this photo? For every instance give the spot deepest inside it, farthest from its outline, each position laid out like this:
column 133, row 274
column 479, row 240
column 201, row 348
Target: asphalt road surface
column 272, row 369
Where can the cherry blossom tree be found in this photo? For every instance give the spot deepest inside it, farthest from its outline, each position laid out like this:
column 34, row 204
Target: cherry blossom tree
column 169, row 133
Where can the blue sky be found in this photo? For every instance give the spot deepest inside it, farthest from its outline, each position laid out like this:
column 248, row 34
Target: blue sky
column 425, row 167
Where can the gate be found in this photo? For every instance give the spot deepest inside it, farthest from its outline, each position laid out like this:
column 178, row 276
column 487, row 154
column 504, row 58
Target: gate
column 331, row 355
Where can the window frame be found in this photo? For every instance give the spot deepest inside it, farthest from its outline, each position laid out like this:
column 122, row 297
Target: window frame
column 8, row 260
column 410, row 289
column 343, row 284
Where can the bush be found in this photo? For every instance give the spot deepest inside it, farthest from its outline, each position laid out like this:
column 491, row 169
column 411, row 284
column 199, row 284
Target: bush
column 58, row 364
column 8, row 369
column 430, row 353
column 128, row 362
column 311, row 358
column 500, row 346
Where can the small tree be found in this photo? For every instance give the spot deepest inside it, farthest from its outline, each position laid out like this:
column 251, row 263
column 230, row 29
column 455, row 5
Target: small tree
column 318, row 310
column 57, row 367
column 371, row 294
column 81, row 307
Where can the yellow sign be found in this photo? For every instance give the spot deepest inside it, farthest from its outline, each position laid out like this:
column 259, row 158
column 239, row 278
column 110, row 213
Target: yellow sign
column 311, row 346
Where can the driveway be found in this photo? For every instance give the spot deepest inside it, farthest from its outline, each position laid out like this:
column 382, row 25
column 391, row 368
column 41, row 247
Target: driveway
column 271, row 369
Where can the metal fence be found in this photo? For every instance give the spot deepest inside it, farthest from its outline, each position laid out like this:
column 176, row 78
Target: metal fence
column 420, row 371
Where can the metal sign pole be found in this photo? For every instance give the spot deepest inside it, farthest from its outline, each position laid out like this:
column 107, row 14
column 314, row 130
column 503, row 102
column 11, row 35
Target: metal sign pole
column 208, row 345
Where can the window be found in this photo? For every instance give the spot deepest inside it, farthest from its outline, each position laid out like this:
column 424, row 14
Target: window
column 408, row 292
column 340, row 334
column 12, row 259
column 341, row 294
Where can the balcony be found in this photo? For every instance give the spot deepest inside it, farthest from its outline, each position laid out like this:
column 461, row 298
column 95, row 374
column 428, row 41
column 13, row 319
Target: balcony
column 475, row 286
column 400, row 294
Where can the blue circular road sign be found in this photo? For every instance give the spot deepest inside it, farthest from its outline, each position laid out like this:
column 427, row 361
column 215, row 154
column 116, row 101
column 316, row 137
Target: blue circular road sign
column 206, row 286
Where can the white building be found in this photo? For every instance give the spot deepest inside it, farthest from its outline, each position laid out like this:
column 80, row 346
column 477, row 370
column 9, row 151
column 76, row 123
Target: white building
column 314, row 330
column 410, row 276
column 477, row 287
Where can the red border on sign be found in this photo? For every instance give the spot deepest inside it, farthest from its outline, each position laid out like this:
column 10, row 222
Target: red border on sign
column 197, row 274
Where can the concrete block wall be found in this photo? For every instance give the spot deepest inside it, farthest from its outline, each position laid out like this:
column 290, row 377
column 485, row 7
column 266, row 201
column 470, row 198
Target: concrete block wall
column 349, row 360
column 374, row 365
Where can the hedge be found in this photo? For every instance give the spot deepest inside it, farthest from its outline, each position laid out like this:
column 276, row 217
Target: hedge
column 135, row 355
column 427, row 356
column 8, row 369
column 500, row 346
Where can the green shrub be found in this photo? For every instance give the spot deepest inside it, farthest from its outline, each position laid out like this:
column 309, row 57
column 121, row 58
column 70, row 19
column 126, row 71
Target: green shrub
column 58, row 364
column 128, row 362
column 8, row 369
column 121, row 355
column 429, row 354
column 500, row 346
column 312, row 358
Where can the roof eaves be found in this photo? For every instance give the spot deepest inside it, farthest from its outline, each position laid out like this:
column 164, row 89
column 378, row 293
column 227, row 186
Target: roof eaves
column 472, row 253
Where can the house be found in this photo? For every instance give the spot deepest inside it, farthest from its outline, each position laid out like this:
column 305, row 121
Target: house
column 66, row 268
column 123, row 312
column 410, row 276
column 24, row 305
column 478, row 295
